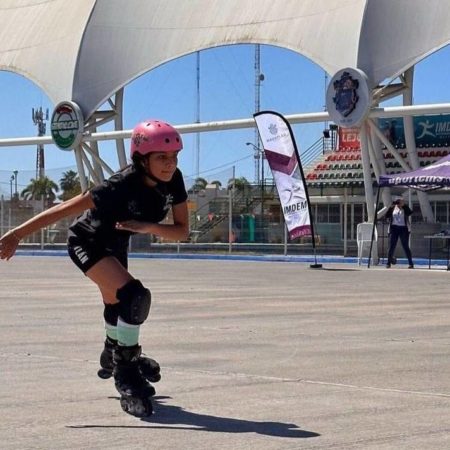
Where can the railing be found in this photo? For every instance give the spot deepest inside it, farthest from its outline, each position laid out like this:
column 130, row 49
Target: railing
column 242, row 202
column 315, row 151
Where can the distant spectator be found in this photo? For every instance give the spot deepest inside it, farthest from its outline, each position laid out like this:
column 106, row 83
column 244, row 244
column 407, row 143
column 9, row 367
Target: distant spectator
column 398, row 215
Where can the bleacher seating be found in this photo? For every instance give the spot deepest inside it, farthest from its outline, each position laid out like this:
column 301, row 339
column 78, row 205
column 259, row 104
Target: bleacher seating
column 344, row 166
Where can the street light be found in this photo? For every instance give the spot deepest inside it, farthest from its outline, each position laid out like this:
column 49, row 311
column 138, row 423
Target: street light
column 261, row 152
column 10, row 186
column 13, row 178
column 15, row 182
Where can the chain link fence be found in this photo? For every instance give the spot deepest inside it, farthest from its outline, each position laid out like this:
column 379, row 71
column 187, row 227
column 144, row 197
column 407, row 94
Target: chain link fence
column 227, row 215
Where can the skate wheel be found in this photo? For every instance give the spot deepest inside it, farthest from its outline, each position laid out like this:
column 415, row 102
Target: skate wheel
column 104, row 373
column 150, row 369
column 149, row 391
column 136, row 406
column 154, row 378
column 146, row 392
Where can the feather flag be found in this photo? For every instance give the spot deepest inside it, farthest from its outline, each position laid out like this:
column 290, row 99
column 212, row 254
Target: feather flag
column 282, row 155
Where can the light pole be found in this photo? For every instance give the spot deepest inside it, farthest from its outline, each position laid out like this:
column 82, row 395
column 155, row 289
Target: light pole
column 261, row 153
column 15, row 182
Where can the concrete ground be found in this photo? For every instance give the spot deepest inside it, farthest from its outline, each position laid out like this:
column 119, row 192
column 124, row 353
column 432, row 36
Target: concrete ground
column 254, row 355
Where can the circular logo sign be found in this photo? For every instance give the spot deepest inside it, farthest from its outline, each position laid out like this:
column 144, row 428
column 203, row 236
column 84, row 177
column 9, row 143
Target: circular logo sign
column 67, row 125
column 349, row 97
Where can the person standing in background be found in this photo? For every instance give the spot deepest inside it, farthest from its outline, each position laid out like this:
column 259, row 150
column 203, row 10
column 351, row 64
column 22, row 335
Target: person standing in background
column 398, row 216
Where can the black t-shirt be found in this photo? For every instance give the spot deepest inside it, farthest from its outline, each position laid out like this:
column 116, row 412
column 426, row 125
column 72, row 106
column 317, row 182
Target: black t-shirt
column 122, row 197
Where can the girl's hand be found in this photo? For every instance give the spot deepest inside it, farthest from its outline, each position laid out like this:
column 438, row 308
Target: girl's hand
column 134, row 226
column 8, row 245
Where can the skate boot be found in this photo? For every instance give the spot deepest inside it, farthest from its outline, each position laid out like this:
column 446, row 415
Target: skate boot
column 135, row 390
column 149, row 368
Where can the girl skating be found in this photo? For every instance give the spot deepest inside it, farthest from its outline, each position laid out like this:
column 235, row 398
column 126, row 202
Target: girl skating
column 134, row 200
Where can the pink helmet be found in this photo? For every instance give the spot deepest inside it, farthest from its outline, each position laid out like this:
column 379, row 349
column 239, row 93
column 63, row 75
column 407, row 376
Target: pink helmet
column 154, row 136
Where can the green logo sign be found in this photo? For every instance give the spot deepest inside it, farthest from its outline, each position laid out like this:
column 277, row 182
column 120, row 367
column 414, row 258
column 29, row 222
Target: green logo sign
column 67, row 125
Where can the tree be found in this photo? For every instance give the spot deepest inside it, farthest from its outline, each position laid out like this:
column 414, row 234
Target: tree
column 41, row 188
column 70, row 185
column 217, row 183
column 240, row 184
column 199, row 184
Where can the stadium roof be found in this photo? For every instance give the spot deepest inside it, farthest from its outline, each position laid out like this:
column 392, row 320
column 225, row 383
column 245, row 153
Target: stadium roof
column 85, row 50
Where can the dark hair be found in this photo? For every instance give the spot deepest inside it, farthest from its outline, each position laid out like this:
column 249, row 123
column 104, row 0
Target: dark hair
column 139, row 162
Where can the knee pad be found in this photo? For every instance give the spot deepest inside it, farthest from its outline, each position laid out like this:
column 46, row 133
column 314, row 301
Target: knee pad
column 134, row 302
column 111, row 313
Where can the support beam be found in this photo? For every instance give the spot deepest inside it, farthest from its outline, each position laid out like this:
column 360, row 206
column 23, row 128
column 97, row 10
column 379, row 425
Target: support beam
column 98, row 160
column 393, row 111
column 425, row 206
column 383, row 93
column 80, row 166
column 88, row 164
column 376, row 153
column 118, row 125
column 96, row 164
column 392, row 150
column 367, row 173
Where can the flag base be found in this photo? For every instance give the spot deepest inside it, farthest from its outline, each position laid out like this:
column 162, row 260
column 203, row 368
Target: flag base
column 315, row 266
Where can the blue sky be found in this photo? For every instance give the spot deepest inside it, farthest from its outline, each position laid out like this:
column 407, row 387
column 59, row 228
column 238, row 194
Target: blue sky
column 292, row 84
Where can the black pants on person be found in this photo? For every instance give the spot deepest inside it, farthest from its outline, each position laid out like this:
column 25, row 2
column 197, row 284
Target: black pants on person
column 397, row 232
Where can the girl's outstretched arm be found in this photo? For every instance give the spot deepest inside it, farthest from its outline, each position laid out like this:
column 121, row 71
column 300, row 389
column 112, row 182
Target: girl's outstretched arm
column 72, row 207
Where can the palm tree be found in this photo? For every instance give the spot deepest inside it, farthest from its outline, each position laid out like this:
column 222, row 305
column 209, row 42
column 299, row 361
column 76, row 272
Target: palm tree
column 41, row 188
column 199, row 184
column 70, row 185
column 217, row 183
column 240, row 184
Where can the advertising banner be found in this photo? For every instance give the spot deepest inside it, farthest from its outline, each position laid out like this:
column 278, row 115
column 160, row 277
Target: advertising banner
column 349, row 138
column 429, row 131
column 281, row 153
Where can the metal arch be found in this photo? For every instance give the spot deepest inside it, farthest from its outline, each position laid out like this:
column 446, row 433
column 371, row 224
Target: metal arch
column 88, row 155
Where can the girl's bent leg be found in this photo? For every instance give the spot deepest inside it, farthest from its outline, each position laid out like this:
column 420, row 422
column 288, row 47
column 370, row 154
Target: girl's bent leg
column 109, row 275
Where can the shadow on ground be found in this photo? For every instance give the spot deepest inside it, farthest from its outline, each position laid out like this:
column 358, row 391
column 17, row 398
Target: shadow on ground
column 339, row 269
column 175, row 417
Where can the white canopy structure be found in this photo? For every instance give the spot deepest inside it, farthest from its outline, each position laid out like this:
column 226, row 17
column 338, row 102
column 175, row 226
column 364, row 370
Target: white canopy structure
column 86, row 51
column 92, row 48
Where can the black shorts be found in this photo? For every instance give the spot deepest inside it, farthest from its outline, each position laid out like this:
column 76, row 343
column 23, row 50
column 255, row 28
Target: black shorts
column 86, row 254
